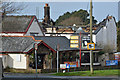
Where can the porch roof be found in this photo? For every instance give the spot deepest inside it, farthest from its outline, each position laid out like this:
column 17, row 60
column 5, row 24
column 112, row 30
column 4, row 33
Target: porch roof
column 53, row 41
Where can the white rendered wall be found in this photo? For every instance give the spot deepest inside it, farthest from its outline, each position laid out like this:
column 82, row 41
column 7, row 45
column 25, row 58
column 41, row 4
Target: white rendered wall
column 14, row 63
column 34, row 28
column 93, row 37
column 11, row 34
column 107, row 36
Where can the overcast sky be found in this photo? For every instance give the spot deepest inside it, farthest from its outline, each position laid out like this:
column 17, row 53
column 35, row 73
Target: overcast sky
column 100, row 9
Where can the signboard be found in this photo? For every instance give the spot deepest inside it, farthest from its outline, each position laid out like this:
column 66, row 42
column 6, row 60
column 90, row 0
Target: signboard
column 72, row 64
column 63, row 66
column 67, row 66
column 91, row 46
column 117, row 57
column 74, row 37
column 111, row 62
column 74, row 41
column 74, row 45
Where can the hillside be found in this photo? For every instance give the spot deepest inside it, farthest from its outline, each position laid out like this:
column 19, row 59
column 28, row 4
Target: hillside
column 77, row 17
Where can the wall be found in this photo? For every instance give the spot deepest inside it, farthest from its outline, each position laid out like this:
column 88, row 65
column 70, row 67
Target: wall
column 17, row 61
column 112, row 34
column 66, row 35
column 11, row 34
column 34, row 28
column 106, row 38
column 93, row 37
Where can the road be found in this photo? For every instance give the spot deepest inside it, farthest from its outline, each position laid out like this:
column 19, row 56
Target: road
column 50, row 77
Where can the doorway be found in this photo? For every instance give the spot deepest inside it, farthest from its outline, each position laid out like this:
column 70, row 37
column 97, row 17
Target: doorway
column 40, row 59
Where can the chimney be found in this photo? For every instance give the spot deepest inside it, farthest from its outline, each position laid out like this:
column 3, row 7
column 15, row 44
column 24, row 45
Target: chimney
column 47, row 13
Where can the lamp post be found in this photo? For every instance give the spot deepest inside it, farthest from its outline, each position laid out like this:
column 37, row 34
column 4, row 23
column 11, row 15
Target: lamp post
column 57, row 58
column 36, row 56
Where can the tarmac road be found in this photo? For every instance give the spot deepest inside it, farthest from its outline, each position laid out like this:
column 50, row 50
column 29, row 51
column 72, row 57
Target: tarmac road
column 12, row 76
column 59, row 79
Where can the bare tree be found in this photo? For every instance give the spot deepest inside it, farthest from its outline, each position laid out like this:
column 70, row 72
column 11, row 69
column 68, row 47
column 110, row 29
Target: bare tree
column 11, row 7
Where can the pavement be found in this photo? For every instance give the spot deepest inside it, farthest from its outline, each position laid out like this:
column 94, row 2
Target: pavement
column 18, row 76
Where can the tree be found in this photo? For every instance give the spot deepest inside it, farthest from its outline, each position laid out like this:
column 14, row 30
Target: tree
column 118, row 39
column 118, row 36
column 118, row 24
column 11, row 7
column 77, row 17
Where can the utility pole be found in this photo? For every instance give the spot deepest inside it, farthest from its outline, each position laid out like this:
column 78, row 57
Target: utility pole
column 80, row 48
column 91, row 54
column 57, row 58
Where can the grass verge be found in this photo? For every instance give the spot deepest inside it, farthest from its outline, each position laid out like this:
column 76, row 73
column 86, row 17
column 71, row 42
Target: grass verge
column 114, row 72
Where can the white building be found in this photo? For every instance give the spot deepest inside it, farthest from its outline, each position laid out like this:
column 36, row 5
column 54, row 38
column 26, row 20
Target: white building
column 106, row 35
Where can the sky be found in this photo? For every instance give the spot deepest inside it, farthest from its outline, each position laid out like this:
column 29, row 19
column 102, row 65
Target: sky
column 100, row 9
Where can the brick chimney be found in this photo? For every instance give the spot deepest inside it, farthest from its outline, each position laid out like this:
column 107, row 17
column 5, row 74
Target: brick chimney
column 47, row 14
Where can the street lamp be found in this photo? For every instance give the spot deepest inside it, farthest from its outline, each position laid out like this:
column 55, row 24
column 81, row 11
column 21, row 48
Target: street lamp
column 35, row 44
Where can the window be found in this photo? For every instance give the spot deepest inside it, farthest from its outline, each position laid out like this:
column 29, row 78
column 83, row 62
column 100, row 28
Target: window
column 18, row 57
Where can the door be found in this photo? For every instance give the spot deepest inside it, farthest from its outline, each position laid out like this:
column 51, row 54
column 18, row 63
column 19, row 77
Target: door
column 40, row 61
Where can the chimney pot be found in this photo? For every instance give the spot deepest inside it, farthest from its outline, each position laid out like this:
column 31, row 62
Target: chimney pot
column 46, row 5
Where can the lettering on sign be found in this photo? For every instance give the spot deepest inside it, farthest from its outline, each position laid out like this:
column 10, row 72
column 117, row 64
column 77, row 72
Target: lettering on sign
column 74, row 45
column 74, row 41
column 74, row 37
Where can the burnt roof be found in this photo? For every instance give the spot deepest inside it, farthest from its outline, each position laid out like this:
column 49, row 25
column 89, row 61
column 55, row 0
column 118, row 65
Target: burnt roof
column 15, row 23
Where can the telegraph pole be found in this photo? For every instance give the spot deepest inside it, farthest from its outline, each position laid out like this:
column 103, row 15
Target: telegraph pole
column 91, row 54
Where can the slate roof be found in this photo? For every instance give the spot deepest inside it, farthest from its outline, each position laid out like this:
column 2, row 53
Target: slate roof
column 52, row 41
column 80, row 30
column 101, row 24
column 15, row 23
column 16, row 44
column 25, row 44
